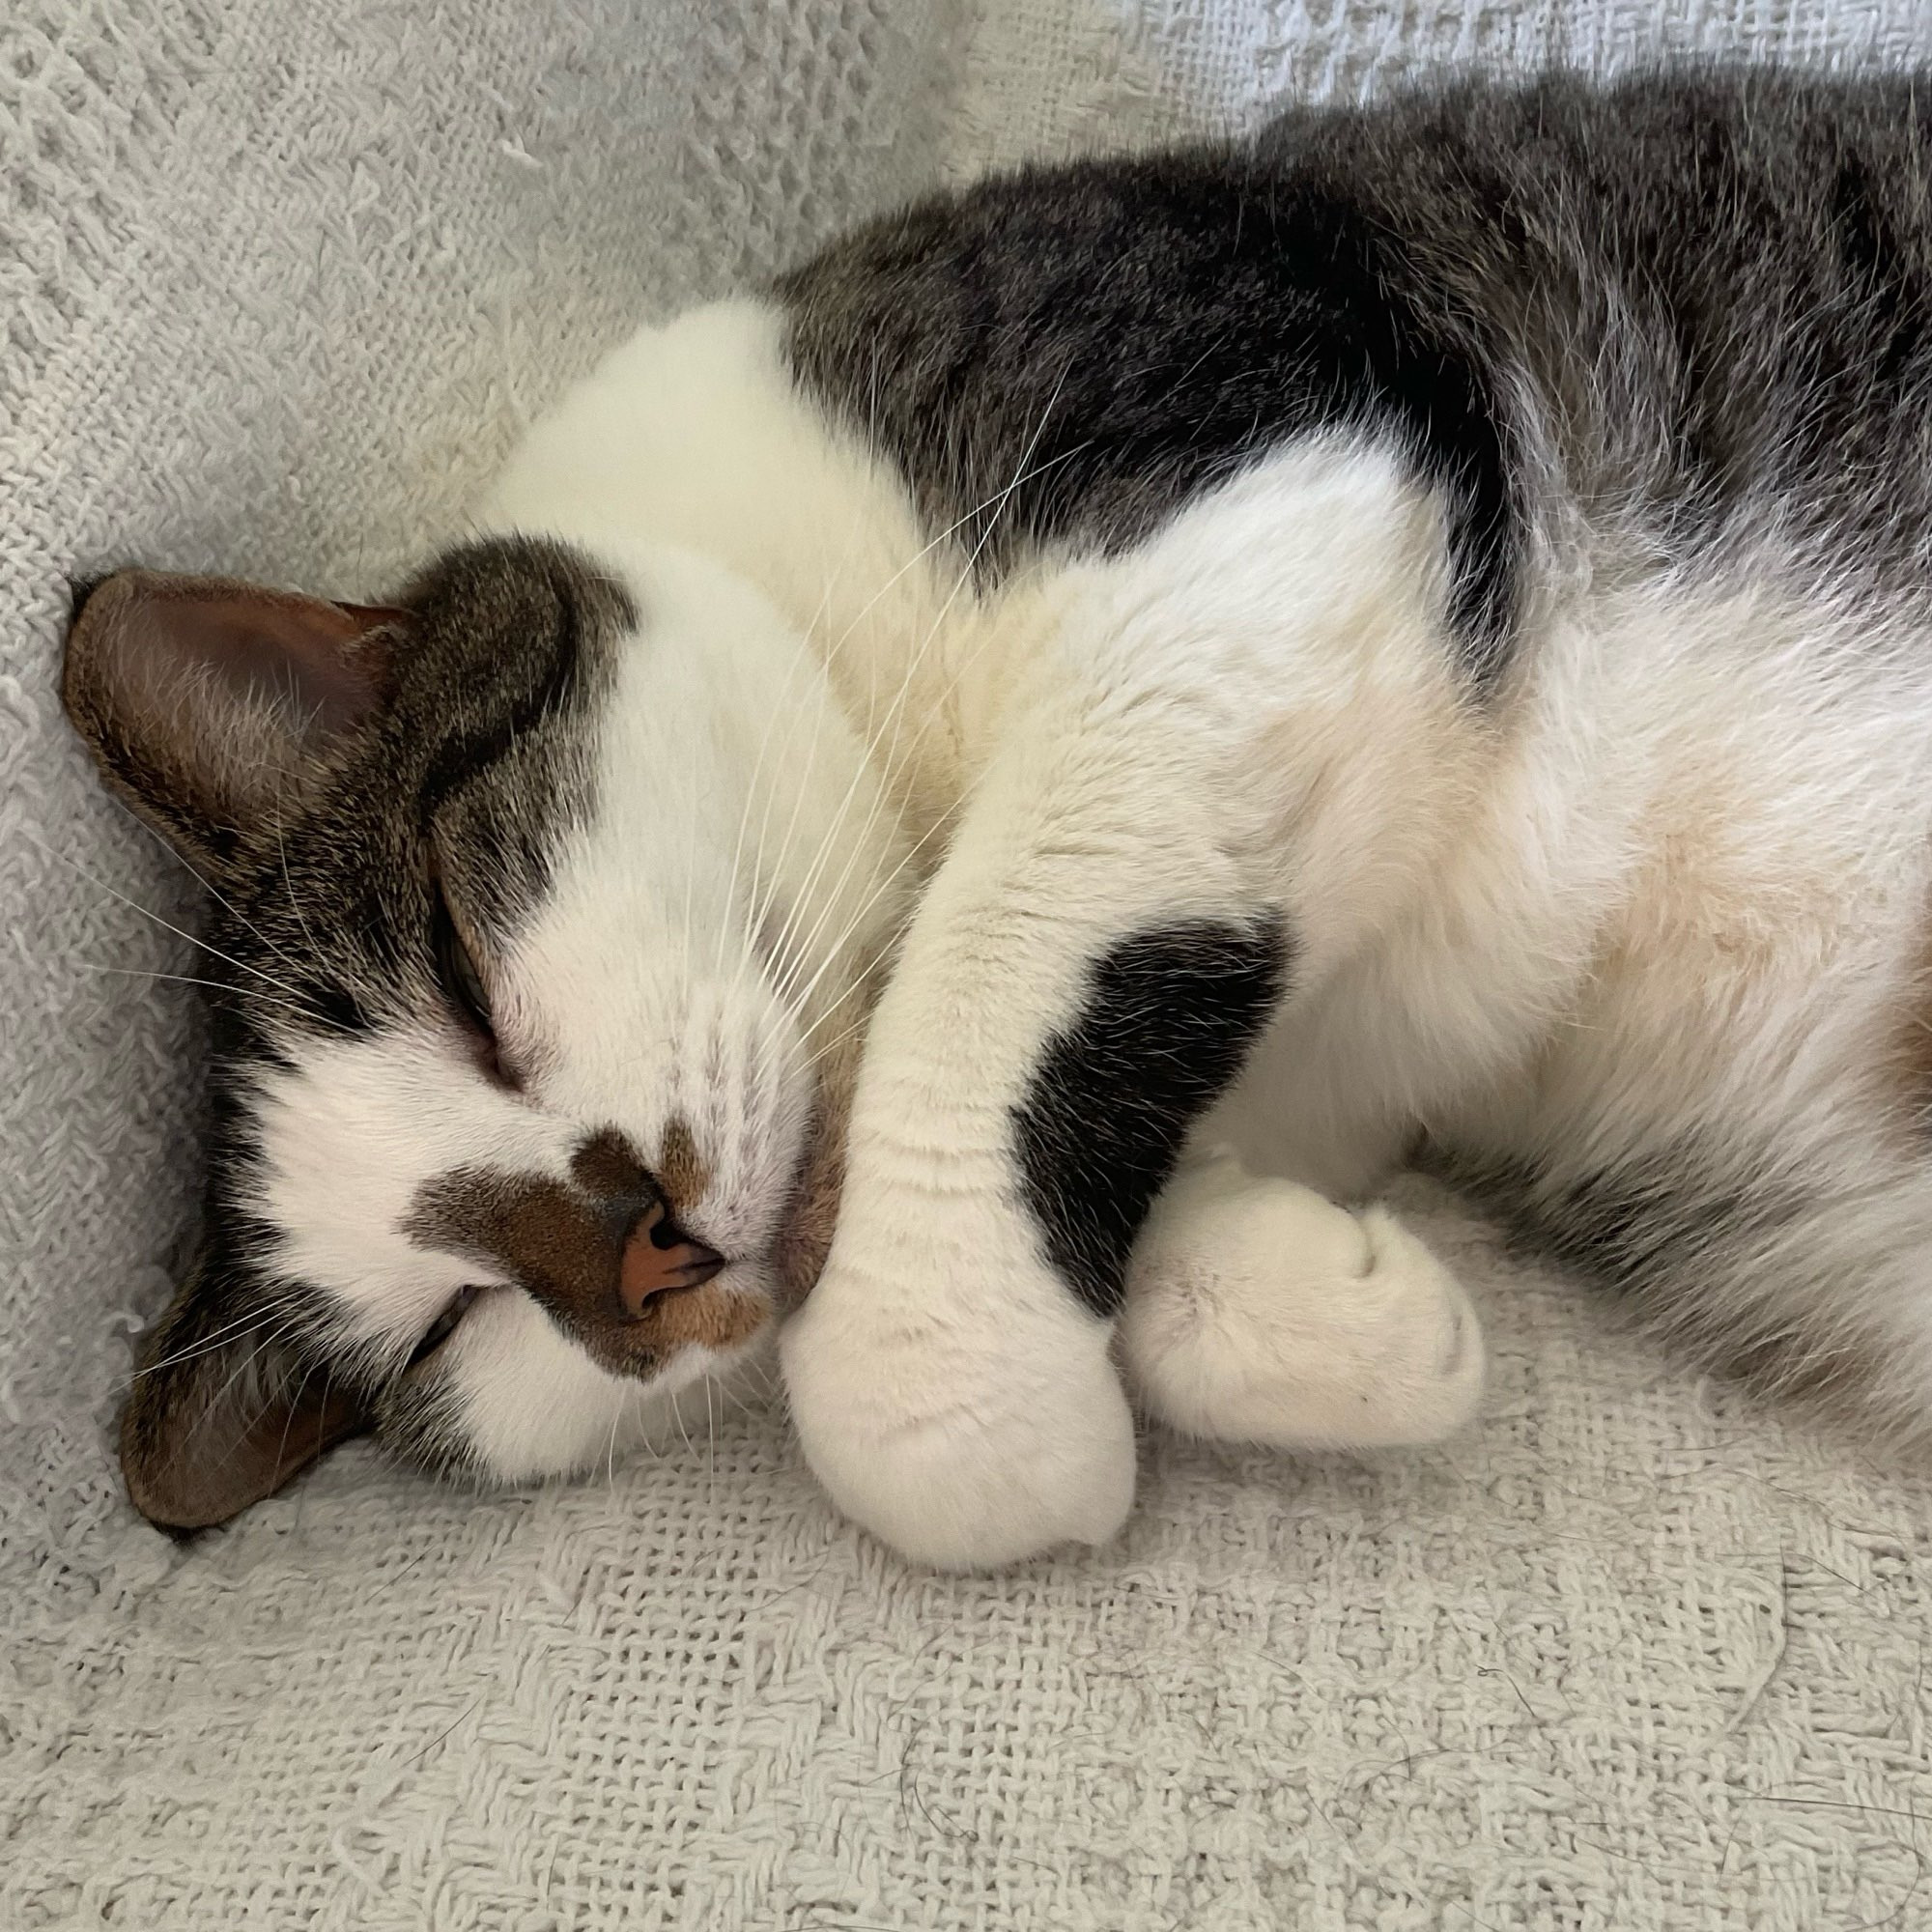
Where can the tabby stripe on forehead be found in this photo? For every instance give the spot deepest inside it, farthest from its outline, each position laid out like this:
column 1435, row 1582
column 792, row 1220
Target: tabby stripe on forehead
column 1167, row 1019
column 462, row 756
column 555, row 694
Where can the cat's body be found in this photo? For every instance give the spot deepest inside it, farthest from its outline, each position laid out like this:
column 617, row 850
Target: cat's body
column 1417, row 630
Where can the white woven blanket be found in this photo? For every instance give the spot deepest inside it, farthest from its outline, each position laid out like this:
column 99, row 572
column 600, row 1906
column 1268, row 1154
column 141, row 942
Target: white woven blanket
column 277, row 277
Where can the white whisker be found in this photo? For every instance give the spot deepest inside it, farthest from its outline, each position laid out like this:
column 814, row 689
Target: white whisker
column 896, row 717
column 997, row 503
column 245, row 1324
column 190, row 980
column 241, row 966
column 208, row 885
column 294, row 904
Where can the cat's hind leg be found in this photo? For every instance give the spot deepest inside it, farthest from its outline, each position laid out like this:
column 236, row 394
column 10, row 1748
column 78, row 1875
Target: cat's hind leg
column 1257, row 1311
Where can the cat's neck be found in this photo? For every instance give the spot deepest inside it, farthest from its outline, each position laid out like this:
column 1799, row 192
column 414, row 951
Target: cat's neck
column 696, row 434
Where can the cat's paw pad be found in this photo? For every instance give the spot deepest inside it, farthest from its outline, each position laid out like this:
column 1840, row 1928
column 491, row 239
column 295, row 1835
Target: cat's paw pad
column 962, row 1453
column 1263, row 1312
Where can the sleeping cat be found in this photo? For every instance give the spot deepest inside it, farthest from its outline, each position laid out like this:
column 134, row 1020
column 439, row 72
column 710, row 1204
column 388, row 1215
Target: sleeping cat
column 1080, row 730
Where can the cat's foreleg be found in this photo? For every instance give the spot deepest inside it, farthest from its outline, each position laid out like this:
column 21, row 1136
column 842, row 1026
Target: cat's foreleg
column 1257, row 1311
column 1082, row 978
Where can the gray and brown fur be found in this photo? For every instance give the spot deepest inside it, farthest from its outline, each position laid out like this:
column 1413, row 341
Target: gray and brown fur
column 1680, row 306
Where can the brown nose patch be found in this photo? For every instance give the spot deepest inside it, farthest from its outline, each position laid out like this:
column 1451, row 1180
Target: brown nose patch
column 660, row 1258
column 600, row 1253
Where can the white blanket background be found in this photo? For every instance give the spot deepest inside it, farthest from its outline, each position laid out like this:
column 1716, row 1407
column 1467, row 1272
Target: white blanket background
column 278, row 280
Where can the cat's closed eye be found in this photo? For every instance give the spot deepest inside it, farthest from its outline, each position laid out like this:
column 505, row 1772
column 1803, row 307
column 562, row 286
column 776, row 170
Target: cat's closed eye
column 463, row 985
column 444, row 1326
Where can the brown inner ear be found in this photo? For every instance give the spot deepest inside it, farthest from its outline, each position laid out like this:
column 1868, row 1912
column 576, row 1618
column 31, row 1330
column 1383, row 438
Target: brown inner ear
column 213, row 1425
column 205, row 698
column 245, row 633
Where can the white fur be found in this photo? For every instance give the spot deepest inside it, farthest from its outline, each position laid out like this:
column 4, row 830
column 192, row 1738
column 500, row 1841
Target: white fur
column 948, row 1391
column 1260, row 1312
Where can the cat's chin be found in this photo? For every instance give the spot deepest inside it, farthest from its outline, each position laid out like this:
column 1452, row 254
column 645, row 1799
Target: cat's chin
column 668, row 1415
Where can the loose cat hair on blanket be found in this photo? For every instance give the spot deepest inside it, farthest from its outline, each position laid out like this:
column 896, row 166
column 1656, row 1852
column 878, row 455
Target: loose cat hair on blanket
column 980, row 800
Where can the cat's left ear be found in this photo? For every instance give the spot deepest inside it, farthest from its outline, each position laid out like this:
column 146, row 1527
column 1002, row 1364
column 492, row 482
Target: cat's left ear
column 222, row 1413
column 209, row 703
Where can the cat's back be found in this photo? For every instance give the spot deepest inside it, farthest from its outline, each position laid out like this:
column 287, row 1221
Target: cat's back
column 1714, row 286
column 1670, row 313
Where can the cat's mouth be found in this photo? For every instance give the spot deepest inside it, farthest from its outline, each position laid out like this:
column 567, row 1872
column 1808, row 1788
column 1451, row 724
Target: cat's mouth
column 805, row 1230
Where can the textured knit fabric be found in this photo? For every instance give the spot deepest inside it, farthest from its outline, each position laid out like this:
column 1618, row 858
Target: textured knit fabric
column 278, row 278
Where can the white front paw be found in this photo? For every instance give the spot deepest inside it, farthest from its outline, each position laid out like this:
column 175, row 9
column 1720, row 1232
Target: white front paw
column 964, row 1436
column 1258, row 1312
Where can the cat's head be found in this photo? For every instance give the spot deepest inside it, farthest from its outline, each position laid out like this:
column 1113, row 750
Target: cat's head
column 535, row 893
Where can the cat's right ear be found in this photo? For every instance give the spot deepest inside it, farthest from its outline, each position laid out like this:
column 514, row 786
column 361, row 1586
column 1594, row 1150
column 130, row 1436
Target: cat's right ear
column 209, row 703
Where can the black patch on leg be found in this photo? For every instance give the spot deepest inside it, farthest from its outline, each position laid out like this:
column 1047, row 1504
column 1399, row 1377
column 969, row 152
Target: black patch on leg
column 1169, row 1017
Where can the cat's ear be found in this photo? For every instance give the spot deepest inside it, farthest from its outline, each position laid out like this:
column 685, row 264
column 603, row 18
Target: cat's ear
column 208, row 702
column 220, row 1415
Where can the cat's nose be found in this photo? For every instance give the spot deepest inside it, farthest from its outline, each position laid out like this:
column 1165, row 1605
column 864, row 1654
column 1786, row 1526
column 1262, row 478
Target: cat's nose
column 657, row 1256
